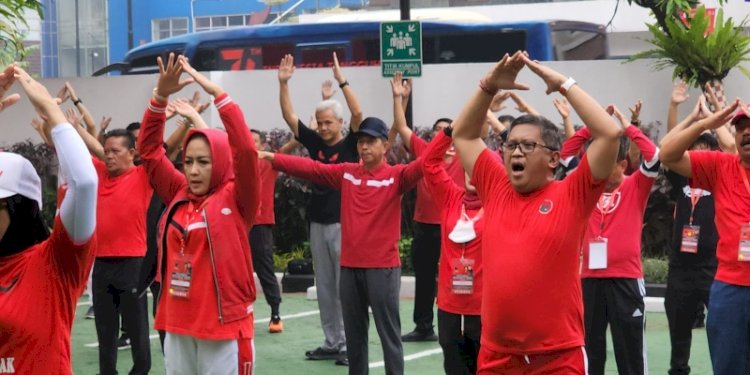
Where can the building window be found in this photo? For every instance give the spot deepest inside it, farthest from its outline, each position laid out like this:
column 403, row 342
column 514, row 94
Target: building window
column 168, row 27
column 221, row 22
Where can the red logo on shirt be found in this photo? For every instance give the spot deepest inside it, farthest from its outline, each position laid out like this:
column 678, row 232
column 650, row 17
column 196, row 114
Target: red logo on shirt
column 321, row 155
column 608, row 202
column 545, row 207
column 334, row 157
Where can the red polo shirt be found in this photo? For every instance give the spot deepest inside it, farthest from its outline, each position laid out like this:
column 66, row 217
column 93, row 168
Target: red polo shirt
column 425, row 210
column 370, row 205
column 721, row 174
column 121, row 212
column 530, row 259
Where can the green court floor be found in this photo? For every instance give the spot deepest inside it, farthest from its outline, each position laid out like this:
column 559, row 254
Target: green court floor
column 284, row 353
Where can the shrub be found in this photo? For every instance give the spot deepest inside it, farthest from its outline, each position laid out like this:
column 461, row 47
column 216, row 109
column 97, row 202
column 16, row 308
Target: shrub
column 280, row 260
column 404, row 250
column 655, row 270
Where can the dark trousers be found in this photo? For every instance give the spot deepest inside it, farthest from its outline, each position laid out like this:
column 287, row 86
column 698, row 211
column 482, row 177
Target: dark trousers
column 728, row 329
column 378, row 289
column 460, row 342
column 425, row 253
column 617, row 302
column 261, row 246
column 681, row 303
column 115, row 292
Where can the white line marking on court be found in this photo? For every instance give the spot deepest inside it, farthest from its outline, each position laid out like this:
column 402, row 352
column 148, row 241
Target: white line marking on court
column 410, row 357
column 256, row 321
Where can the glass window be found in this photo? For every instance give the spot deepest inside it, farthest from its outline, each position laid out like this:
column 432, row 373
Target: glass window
column 218, row 22
column 169, row 27
column 236, row 20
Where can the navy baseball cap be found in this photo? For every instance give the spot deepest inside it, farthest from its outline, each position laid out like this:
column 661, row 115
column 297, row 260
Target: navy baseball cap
column 374, row 127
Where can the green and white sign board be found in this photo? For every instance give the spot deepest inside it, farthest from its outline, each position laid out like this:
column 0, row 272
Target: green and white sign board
column 401, row 48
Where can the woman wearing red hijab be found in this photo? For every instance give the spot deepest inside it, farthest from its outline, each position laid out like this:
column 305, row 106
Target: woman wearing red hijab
column 205, row 269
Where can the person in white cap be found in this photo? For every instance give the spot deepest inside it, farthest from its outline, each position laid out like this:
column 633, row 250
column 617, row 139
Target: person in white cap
column 42, row 273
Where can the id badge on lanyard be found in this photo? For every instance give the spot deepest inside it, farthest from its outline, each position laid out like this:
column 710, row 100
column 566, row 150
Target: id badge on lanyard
column 182, row 276
column 690, row 235
column 598, row 254
column 462, row 276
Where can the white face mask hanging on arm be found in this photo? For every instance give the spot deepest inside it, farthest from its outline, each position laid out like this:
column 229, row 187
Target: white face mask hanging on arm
column 463, row 231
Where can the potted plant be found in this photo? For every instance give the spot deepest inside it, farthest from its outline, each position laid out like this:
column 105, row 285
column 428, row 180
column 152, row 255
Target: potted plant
column 700, row 50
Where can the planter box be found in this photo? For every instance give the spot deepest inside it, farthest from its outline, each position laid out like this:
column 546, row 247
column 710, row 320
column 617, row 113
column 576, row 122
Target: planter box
column 296, row 283
column 656, row 290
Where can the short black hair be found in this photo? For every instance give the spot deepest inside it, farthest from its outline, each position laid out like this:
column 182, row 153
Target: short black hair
column 121, row 133
column 506, row 118
column 442, row 119
column 260, row 134
column 550, row 133
column 622, row 150
column 706, row 139
column 133, row 126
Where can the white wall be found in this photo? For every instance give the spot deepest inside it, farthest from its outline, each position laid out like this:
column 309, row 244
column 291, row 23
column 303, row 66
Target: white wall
column 441, row 92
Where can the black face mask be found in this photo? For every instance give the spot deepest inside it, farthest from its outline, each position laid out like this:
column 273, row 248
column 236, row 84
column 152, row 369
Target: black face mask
column 26, row 227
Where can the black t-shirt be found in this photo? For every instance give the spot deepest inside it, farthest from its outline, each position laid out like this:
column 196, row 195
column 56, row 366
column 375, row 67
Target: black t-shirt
column 703, row 215
column 325, row 205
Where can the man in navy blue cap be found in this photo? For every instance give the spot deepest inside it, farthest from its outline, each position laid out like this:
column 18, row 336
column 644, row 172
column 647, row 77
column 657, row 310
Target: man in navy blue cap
column 371, row 194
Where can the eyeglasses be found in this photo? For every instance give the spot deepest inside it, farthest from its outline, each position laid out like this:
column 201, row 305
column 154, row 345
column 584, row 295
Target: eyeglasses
column 526, row 147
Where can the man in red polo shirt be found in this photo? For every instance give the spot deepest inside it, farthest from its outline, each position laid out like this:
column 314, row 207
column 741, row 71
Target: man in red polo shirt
column 371, row 193
column 725, row 175
column 532, row 315
column 612, row 277
column 124, row 196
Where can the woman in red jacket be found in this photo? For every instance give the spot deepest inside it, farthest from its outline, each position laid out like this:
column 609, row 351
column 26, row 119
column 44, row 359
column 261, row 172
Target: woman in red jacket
column 205, row 268
column 459, row 296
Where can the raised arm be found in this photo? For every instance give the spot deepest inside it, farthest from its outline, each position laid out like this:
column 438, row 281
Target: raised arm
column 679, row 95
column 314, row 171
column 93, row 144
column 349, row 95
column 290, row 146
column 399, row 118
column 163, row 177
column 641, row 141
column 103, row 125
column 88, row 120
column 723, row 135
column 438, row 181
column 244, row 154
column 467, row 128
column 522, row 105
column 78, row 208
column 563, row 108
column 602, row 152
column 573, row 145
column 675, row 144
column 286, row 70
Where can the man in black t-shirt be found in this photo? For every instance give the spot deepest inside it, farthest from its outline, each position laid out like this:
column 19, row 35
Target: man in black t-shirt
column 327, row 145
column 692, row 264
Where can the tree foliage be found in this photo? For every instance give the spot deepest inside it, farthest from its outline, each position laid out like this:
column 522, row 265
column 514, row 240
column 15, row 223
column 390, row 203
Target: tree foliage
column 13, row 27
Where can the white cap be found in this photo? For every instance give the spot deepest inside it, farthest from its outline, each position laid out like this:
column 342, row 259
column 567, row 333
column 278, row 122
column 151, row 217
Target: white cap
column 18, row 176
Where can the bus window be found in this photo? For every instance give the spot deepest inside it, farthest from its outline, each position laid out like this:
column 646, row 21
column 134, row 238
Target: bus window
column 240, row 57
column 579, row 45
column 365, row 52
column 147, row 64
column 475, row 47
column 318, row 55
column 273, row 53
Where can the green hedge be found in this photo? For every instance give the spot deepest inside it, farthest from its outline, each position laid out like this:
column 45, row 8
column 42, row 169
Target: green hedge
column 655, row 270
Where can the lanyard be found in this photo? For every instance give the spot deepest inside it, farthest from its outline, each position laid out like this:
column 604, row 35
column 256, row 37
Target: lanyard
column 191, row 210
column 694, row 198
column 604, row 209
column 744, row 177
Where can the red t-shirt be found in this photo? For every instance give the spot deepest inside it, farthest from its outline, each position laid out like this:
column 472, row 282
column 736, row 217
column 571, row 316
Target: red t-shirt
column 370, row 205
column 121, row 212
column 720, row 173
column 39, row 288
column 268, row 185
column 533, row 303
column 449, row 196
column 425, row 210
column 197, row 315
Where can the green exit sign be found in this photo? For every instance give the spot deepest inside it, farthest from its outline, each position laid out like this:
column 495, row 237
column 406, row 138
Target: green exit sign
column 401, row 48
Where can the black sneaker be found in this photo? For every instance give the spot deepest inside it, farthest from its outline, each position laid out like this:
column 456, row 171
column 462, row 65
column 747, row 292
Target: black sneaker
column 89, row 313
column 322, row 353
column 416, row 336
column 123, row 343
column 342, row 359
